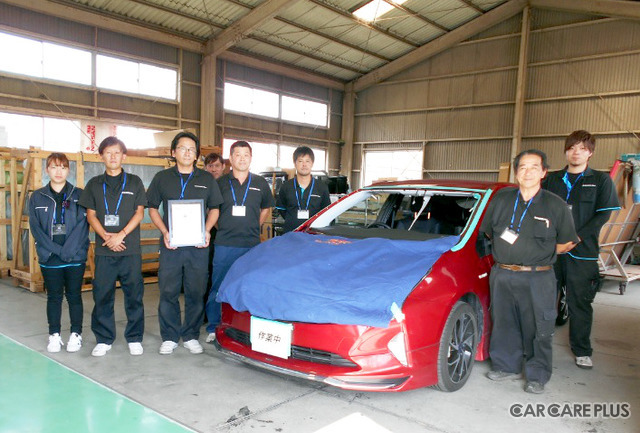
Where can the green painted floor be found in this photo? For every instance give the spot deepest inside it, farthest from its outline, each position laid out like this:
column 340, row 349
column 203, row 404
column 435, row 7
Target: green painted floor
column 41, row 396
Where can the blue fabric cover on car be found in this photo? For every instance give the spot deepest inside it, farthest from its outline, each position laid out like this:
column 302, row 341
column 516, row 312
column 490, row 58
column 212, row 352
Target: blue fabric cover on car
column 324, row 279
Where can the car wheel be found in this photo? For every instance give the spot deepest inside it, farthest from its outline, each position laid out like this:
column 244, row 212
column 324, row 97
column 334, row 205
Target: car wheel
column 458, row 345
column 563, row 307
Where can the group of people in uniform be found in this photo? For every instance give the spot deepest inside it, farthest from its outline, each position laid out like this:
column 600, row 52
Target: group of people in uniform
column 234, row 207
column 544, row 235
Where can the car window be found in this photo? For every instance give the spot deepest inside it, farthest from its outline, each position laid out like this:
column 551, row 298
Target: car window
column 406, row 214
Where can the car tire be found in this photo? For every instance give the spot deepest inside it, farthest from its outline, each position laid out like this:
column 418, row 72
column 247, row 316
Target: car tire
column 562, row 306
column 458, row 345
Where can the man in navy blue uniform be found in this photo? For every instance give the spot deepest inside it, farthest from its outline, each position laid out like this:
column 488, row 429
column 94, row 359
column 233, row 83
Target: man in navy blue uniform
column 247, row 204
column 528, row 227
column 302, row 197
column 591, row 198
column 183, row 266
column 115, row 204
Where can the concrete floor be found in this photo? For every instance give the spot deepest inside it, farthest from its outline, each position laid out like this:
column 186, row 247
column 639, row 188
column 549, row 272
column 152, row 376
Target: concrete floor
column 209, row 393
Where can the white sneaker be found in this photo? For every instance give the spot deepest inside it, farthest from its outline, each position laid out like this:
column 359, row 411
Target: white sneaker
column 193, row 346
column 210, row 338
column 75, row 342
column 136, row 349
column 55, row 343
column 168, row 347
column 584, row 362
column 101, row 349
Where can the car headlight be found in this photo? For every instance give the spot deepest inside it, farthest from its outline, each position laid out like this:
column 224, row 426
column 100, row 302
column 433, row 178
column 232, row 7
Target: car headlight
column 398, row 349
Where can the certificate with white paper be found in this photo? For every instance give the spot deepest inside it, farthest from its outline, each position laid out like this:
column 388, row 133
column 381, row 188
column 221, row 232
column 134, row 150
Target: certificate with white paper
column 186, row 223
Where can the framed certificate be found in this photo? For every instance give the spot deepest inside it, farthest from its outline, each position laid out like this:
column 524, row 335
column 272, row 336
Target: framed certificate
column 186, row 223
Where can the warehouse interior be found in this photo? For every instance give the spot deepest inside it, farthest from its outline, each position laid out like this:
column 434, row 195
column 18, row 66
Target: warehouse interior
column 431, row 89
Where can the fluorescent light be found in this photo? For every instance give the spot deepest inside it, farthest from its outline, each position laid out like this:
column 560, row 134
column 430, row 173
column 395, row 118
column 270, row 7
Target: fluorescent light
column 375, row 9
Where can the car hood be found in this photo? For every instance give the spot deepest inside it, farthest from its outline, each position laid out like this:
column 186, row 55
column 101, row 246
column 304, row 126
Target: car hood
column 302, row 277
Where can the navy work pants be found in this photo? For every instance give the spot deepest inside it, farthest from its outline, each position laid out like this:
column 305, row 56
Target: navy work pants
column 184, row 267
column 523, row 310
column 108, row 270
column 581, row 277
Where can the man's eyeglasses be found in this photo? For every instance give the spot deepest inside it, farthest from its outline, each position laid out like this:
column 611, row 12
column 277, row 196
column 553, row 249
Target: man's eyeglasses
column 186, row 149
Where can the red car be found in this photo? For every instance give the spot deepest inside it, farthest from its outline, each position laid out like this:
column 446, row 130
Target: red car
column 369, row 311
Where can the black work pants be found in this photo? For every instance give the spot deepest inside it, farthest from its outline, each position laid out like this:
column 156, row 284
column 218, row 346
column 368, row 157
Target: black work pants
column 185, row 267
column 108, row 270
column 523, row 310
column 581, row 277
column 59, row 282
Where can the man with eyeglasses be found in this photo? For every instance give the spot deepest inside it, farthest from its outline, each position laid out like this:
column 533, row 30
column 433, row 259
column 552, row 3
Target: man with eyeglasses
column 184, row 266
column 115, row 204
column 591, row 198
column 247, row 204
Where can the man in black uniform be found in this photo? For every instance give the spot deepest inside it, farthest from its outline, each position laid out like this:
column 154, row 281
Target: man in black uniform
column 528, row 226
column 184, row 266
column 302, row 197
column 115, row 204
column 591, row 197
column 247, row 204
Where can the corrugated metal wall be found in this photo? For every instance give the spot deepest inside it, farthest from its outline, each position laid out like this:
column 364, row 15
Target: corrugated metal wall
column 581, row 74
column 47, row 98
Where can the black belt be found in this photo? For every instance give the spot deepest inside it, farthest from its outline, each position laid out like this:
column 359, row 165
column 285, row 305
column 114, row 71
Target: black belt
column 518, row 268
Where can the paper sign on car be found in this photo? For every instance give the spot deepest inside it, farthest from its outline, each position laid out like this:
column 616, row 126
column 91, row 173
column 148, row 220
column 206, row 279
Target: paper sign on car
column 271, row 337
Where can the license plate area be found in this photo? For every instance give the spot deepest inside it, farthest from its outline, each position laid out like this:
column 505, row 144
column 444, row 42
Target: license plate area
column 271, row 337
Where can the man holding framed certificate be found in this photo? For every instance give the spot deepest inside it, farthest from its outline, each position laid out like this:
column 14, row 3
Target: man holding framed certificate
column 190, row 198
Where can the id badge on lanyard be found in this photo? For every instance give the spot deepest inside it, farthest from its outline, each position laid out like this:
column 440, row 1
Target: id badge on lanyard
column 59, row 229
column 303, row 214
column 509, row 236
column 111, row 220
column 239, row 211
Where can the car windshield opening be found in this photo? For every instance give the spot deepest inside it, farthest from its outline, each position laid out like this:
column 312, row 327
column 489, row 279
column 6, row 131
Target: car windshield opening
column 412, row 214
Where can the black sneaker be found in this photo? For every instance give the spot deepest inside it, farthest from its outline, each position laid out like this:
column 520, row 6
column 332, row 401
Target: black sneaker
column 503, row 375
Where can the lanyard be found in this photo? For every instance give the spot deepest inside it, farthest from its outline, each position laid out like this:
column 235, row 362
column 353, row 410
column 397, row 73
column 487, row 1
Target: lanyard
column 233, row 193
column 104, row 189
column 515, row 206
column 62, row 208
column 570, row 185
column 295, row 185
column 183, row 184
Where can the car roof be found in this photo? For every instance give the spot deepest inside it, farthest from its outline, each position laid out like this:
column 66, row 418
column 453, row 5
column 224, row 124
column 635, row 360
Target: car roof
column 447, row 183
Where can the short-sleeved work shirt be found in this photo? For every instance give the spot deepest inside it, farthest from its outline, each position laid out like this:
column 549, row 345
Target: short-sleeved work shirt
column 133, row 195
column 546, row 223
column 312, row 198
column 242, row 231
column 166, row 185
column 592, row 194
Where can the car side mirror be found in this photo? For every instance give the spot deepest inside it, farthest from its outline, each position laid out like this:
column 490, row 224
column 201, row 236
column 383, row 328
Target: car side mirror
column 483, row 245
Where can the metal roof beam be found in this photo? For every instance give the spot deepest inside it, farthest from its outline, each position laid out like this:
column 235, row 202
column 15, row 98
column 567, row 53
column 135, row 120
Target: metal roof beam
column 63, row 9
column 609, row 8
column 483, row 22
column 417, row 15
column 244, row 26
column 363, row 23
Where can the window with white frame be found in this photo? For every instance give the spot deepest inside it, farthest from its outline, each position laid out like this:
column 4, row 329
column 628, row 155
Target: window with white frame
column 264, row 156
column 251, row 101
column 34, row 58
column 22, row 131
column 399, row 164
column 259, row 102
column 135, row 77
column 286, row 157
